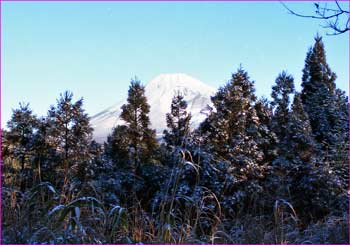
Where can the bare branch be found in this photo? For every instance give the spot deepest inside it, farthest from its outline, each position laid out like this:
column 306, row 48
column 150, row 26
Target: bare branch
column 332, row 16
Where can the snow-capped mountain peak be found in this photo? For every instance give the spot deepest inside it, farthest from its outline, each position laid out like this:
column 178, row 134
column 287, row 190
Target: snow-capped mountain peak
column 179, row 82
column 159, row 93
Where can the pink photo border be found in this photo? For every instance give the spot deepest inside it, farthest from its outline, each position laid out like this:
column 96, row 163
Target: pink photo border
column 1, row 60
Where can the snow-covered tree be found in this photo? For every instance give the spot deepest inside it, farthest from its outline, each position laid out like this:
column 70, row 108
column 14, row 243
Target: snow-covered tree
column 299, row 141
column 300, row 174
column 338, row 153
column 318, row 89
column 327, row 107
column 233, row 116
column 233, row 133
column 265, row 136
column 221, row 123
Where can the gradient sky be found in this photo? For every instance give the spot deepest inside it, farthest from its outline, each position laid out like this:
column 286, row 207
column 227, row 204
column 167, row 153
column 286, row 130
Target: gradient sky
column 93, row 49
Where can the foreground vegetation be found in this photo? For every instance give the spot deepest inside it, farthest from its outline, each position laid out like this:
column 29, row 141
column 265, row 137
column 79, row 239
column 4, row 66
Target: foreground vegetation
column 253, row 172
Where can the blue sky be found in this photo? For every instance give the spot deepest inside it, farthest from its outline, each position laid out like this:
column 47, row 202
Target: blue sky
column 93, row 49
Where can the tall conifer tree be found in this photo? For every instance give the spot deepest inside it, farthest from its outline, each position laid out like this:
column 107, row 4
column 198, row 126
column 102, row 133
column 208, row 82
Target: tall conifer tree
column 135, row 114
column 327, row 108
column 318, row 83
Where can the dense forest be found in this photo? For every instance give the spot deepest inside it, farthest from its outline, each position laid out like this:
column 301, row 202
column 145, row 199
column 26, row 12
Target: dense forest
column 254, row 171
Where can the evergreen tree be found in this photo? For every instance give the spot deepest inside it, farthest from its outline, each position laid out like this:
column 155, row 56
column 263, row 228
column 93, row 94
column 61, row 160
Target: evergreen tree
column 280, row 94
column 233, row 113
column 21, row 130
column 265, row 137
column 70, row 128
column 318, row 92
column 327, row 108
column 233, row 133
column 178, row 122
column 69, row 135
column 296, row 155
column 142, row 138
column 338, row 154
column 309, row 178
column 309, row 186
column 89, row 169
column 117, row 146
column 299, row 141
column 44, row 156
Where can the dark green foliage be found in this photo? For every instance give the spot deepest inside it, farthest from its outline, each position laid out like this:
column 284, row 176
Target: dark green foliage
column 178, row 122
column 233, row 115
column 19, row 140
column 327, row 108
column 235, row 134
column 338, row 154
column 302, row 171
column 280, row 94
column 69, row 137
column 21, row 130
column 70, row 131
column 318, row 93
column 46, row 157
column 266, row 137
column 142, row 141
column 96, row 150
column 297, row 150
column 298, row 141
column 117, row 146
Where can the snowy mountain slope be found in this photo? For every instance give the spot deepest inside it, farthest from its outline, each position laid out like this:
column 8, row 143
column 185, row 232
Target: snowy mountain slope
column 159, row 93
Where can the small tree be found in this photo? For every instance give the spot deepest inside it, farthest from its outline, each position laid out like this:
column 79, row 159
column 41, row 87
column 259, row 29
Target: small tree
column 21, row 129
column 44, row 155
column 280, row 94
column 178, row 122
column 299, row 139
column 265, row 135
column 117, row 146
column 69, row 134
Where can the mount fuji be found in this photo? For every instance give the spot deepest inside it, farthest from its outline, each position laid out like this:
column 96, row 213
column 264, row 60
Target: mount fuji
column 159, row 93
